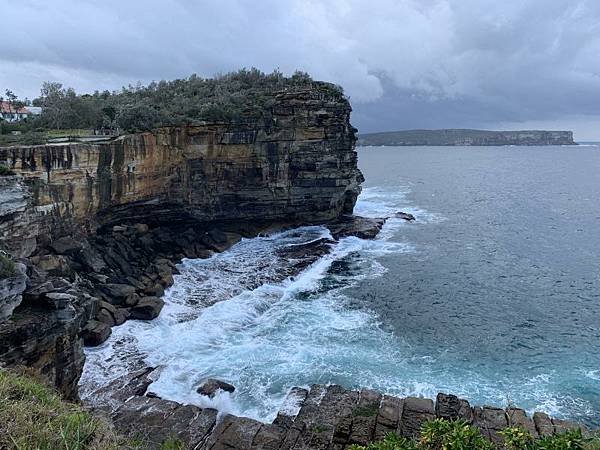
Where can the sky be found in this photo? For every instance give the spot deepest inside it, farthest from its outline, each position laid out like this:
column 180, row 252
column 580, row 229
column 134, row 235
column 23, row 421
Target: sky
column 501, row 64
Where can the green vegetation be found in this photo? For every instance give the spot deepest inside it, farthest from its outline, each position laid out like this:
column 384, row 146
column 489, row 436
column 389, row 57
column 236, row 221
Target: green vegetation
column 7, row 266
column 5, row 171
column 232, row 97
column 441, row 434
column 33, row 416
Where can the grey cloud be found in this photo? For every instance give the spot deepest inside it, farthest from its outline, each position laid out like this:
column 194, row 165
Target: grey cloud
column 404, row 63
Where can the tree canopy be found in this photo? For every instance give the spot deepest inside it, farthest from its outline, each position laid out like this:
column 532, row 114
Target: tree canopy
column 230, row 97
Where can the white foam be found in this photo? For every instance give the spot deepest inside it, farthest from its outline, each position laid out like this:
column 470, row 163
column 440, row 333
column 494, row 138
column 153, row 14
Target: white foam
column 239, row 316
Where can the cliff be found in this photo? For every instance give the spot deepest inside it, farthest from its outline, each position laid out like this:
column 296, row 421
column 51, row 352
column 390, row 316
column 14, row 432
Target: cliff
column 466, row 137
column 99, row 225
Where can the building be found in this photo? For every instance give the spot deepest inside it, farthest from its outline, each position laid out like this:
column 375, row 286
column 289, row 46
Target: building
column 10, row 114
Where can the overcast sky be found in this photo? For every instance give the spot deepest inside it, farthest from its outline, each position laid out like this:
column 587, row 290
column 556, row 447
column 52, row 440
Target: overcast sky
column 404, row 63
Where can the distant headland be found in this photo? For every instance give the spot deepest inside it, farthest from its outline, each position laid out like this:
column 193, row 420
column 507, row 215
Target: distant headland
column 467, row 137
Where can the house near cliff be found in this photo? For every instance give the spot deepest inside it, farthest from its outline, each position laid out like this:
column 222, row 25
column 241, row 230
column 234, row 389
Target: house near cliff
column 11, row 114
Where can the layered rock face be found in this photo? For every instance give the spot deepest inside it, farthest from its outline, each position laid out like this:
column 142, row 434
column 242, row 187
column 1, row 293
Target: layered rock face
column 100, row 225
column 297, row 165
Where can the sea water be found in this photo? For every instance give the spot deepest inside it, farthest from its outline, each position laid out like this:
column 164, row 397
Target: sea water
column 493, row 294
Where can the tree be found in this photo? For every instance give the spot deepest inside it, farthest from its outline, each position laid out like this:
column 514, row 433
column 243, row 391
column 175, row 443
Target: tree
column 14, row 104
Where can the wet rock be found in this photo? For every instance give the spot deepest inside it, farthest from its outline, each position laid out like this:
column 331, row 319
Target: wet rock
column 156, row 290
column 291, row 406
column 211, row 386
column 362, row 227
column 95, row 333
column 147, row 308
column 406, row 216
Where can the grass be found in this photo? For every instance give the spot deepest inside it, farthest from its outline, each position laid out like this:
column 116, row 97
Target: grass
column 33, row 416
column 440, row 434
column 5, row 171
column 7, row 266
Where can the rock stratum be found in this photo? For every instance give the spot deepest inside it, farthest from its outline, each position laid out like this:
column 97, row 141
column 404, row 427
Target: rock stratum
column 99, row 227
column 460, row 137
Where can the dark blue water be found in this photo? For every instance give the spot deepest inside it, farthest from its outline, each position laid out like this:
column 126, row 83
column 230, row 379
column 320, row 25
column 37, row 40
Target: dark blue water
column 492, row 294
column 507, row 285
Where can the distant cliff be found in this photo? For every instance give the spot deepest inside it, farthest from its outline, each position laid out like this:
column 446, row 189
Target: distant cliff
column 467, row 137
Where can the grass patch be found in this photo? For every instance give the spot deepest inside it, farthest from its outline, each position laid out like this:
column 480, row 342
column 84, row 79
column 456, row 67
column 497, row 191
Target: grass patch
column 7, row 266
column 33, row 416
column 5, row 171
column 366, row 411
column 441, row 434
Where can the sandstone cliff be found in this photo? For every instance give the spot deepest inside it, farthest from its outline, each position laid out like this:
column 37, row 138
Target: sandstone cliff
column 99, row 225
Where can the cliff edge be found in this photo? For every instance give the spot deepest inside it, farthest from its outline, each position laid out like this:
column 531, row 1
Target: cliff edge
column 99, row 226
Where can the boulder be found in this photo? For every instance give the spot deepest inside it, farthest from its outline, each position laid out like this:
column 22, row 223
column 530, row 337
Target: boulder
column 95, row 333
column 211, row 386
column 66, row 246
column 117, row 292
column 155, row 291
column 55, row 265
column 362, row 227
column 59, row 300
column 406, row 216
column 148, row 308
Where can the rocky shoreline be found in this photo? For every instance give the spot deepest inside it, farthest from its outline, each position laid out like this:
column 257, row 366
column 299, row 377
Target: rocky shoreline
column 316, row 417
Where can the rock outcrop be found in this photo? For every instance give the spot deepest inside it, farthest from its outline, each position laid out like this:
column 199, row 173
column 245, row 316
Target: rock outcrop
column 99, row 226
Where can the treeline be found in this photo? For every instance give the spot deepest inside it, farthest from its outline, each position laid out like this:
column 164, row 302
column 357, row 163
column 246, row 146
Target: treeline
column 230, row 97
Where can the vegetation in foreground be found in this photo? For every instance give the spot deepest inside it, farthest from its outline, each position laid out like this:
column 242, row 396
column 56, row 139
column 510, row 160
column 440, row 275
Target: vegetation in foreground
column 441, row 434
column 33, row 416
column 5, row 171
column 7, row 266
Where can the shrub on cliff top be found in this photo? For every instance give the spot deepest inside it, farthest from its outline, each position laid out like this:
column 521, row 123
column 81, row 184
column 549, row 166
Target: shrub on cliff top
column 230, row 97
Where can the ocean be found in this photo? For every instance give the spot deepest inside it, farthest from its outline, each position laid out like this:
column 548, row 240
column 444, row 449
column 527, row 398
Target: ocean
column 492, row 294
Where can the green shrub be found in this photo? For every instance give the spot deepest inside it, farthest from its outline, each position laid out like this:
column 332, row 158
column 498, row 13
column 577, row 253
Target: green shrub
column 5, row 171
column 441, row 434
column 7, row 266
